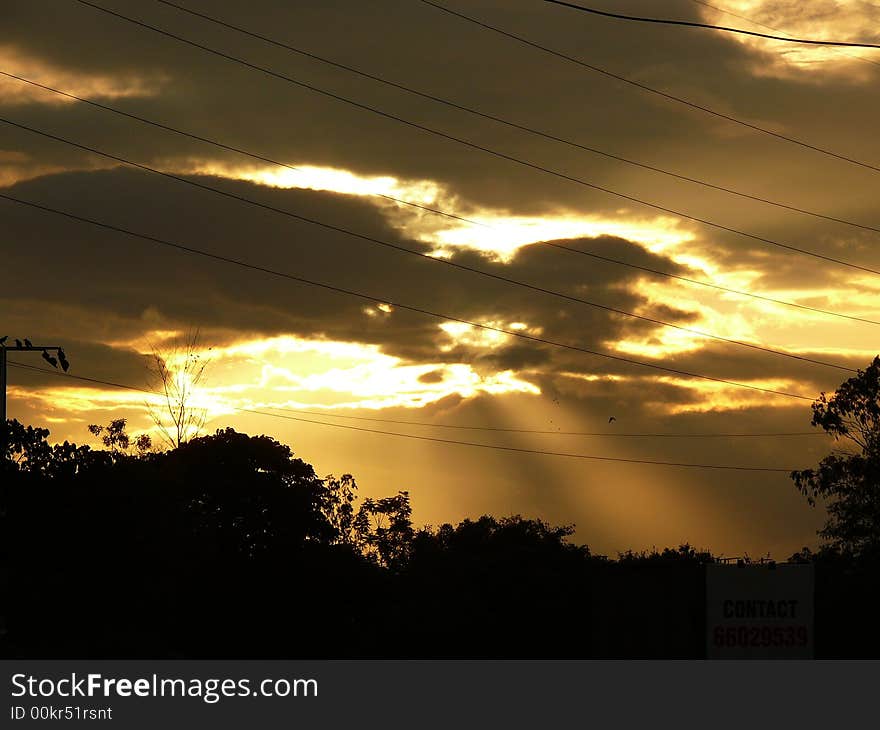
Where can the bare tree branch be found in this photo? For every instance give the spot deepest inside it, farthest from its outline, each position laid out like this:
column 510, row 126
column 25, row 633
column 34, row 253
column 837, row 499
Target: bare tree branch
column 176, row 371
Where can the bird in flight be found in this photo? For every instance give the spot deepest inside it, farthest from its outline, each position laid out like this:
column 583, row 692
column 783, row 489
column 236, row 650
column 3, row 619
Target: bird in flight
column 612, row 419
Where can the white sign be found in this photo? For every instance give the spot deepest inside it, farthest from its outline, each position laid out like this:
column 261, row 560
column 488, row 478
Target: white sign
column 759, row 611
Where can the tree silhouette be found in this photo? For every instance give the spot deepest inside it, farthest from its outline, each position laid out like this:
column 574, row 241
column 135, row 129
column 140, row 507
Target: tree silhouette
column 27, row 451
column 339, row 497
column 175, row 373
column 848, row 479
column 385, row 530
column 115, row 437
column 685, row 553
column 499, row 587
column 247, row 494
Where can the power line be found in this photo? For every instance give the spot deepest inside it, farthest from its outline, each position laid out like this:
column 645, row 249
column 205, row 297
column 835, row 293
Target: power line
column 769, row 27
column 507, row 122
column 603, row 434
column 433, row 439
column 381, row 300
column 228, row 147
column 649, row 89
column 692, row 24
column 606, row 259
column 473, row 145
column 432, row 259
column 710, row 285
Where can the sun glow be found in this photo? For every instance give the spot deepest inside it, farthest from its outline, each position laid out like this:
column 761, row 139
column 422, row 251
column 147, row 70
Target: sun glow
column 284, row 372
column 502, row 236
column 289, row 371
column 722, row 397
column 752, row 320
column 707, row 313
column 495, row 233
column 328, row 179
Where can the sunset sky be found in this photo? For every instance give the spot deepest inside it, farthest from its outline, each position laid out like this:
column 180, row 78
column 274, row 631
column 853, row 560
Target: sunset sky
column 286, row 347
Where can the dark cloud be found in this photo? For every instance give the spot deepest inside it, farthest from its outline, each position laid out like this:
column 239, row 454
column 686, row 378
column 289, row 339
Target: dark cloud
column 435, row 376
column 131, row 280
column 451, row 58
column 134, row 279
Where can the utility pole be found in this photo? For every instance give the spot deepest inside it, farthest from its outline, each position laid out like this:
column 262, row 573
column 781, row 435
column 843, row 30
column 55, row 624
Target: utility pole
column 26, row 346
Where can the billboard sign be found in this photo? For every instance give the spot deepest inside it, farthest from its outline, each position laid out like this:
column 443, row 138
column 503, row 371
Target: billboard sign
column 759, row 611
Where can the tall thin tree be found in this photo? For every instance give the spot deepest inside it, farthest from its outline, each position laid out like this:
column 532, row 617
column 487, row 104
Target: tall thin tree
column 176, row 372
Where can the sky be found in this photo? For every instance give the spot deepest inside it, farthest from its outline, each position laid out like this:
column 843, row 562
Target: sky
column 469, row 222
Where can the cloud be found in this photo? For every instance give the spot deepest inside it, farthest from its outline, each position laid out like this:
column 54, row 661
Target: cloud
column 104, row 86
column 100, row 293
column 502, row 77
column 851, row 21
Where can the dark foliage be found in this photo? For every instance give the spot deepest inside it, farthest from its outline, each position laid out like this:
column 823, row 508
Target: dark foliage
column 231, row 546
column 848, row 480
